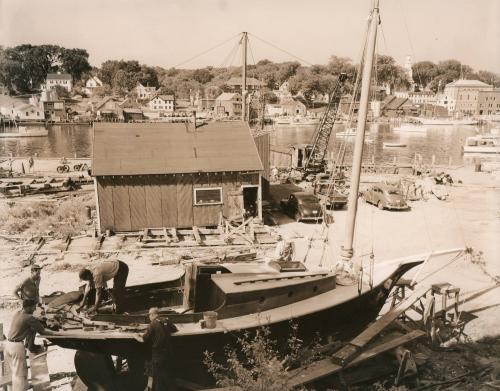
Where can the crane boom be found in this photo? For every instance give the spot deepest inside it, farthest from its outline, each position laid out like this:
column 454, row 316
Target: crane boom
column 316, row 158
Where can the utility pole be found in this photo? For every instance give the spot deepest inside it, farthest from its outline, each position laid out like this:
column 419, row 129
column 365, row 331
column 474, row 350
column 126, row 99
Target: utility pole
column 244, row 40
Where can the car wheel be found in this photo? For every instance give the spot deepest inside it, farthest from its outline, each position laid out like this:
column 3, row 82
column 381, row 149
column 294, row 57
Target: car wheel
column 380, row 205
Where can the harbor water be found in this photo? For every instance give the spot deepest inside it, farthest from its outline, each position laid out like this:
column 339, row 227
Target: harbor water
column 443, row 142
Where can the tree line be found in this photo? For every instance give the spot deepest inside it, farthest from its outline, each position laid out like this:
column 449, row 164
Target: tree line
column 24, row 68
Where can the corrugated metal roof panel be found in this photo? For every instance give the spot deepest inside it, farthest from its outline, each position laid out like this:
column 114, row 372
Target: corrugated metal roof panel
column 168, row 148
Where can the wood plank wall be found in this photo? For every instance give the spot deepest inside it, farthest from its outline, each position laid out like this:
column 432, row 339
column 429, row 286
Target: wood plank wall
column 131, row 203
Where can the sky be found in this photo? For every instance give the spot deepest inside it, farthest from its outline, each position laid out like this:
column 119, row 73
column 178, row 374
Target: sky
column 171, row 33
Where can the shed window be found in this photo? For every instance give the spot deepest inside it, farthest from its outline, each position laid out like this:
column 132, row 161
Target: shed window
column 208, row 196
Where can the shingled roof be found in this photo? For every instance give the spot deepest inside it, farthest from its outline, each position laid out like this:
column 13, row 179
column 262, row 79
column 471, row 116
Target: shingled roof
column 171, row 148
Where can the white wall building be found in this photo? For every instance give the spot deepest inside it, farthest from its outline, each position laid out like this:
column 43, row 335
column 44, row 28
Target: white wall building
column 145, row 92
column 59, row 79
column 162, row 103
column 91, row 84
column 459, row 90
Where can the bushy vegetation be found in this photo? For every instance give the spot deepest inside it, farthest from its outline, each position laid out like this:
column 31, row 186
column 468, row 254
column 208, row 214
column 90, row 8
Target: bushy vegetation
column 257, row 364
column 62, row 218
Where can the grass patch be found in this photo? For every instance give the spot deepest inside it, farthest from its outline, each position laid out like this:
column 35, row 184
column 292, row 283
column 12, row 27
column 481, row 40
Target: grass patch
column 62, row 218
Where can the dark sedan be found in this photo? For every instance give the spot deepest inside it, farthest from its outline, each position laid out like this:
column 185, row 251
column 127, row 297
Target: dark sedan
column 302, row 206
column 385, row 197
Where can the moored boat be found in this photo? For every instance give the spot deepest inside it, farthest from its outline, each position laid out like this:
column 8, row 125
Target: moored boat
column 482, row 144
column 446, row 121
column 410, row 128
column 24, row 131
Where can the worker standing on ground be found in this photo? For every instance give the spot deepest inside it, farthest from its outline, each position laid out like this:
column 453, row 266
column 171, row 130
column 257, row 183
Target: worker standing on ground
column 159, row 335
column 23, row 329
column 97, row 275
column 30, row 287
column 31, row 164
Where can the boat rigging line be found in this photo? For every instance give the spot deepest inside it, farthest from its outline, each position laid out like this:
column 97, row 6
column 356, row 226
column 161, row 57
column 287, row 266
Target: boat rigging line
column 280, row 49
column 206, row 51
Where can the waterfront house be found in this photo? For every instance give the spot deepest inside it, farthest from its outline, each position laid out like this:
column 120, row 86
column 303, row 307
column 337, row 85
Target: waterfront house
column 59, row 79
column 131, row 114
column 145, row 92
column 228, row 104
column 292, row 107
column 163, row 103
column 395, row 107
column 155, row 175
column 26, row 112
column 91, row 84
column 108, row 109
column 235, row 84
column 54, row 110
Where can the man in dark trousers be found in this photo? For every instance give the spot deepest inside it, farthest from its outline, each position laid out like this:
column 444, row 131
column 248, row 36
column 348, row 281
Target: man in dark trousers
column 29, row 289
column 158, row 335
column 98, row 274
column 23, row 329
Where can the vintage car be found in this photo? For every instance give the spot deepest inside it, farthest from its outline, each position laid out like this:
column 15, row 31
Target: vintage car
column 302, row 206
column 329, row 196
column 385, row 197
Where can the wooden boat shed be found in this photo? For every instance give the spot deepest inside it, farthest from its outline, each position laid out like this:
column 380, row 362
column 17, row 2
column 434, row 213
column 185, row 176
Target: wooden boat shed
column 155, row 175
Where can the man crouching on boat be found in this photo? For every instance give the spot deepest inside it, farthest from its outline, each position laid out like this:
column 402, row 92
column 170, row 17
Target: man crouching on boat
column 158, row 335
column 97, row 275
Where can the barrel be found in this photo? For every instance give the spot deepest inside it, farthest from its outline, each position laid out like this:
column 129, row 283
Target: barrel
column 210, row 319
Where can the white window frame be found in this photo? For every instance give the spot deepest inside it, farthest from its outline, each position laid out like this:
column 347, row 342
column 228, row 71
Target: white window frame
column 195, row 203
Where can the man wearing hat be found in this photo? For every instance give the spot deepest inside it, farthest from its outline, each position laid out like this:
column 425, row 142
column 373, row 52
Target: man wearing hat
column 29, row 288
column 158, row 335
column 23, row 329
column 97, row 274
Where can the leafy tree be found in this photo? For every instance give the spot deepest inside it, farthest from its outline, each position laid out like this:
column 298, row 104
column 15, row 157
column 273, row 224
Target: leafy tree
column 75, row 62
column 390, row 73
column 424, row 72
column 202, row 76
column 61, row 91
column 25, row 67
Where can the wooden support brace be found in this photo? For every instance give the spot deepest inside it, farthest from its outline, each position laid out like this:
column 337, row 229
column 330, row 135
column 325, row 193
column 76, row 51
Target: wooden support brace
column 196, row 234
column 165, row 235
column 173, row 233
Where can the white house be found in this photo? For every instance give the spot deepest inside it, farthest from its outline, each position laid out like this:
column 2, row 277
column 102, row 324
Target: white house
column 162, row 103
column 145, row 92
column 59, row 79
column 91, row 84
column 26, row 111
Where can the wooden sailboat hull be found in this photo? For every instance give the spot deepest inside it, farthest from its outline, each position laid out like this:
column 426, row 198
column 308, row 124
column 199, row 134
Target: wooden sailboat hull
column 342, row 321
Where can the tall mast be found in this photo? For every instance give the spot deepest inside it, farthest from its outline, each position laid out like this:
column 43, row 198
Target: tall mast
column 347, row 250
column 244, row 39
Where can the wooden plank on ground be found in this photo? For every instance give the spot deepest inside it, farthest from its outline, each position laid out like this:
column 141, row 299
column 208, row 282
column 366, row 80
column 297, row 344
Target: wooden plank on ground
column 348, row 352
column 322, row 368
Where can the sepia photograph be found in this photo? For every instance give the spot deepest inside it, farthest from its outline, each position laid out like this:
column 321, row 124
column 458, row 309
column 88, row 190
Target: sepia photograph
column 233, row 195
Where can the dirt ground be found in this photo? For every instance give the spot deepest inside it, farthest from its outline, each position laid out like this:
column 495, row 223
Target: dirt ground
column 469, row 218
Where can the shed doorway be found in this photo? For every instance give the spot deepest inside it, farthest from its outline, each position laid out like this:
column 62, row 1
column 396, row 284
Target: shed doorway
column 250, row 199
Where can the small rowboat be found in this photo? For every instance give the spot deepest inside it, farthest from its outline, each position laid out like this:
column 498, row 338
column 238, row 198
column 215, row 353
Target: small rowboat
column 395, row 145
